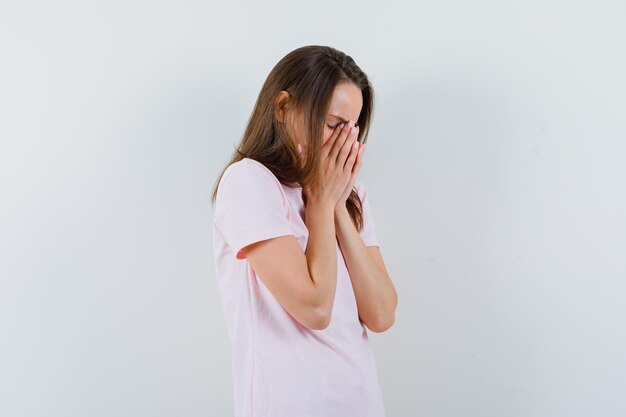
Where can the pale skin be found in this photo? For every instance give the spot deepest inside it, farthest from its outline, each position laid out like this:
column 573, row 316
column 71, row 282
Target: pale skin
column 304, row 283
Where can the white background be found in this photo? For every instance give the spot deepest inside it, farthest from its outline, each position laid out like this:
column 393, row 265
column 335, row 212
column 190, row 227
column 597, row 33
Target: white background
column 495, row 168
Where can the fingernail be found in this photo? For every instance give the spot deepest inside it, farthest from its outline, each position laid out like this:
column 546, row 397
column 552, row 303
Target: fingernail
column 353, row 129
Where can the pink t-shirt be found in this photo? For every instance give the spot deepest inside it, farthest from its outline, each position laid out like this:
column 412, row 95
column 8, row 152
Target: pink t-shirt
column 281, row 368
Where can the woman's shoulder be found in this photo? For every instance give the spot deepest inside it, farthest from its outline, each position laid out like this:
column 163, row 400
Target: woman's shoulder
column 248, row 173
column 248, row 167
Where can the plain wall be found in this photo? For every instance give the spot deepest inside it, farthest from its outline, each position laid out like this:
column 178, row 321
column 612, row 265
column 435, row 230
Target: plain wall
column 495, row 167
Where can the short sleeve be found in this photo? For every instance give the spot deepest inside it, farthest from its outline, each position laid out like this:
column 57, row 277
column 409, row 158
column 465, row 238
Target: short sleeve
column 250, row 206
column 368, row 232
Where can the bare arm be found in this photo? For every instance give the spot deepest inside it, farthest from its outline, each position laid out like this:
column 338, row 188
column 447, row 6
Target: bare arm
column 304, row 283
column 321, row 254
column 375, row 294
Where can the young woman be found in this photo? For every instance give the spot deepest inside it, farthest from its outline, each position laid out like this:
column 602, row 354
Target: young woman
column 297, row 259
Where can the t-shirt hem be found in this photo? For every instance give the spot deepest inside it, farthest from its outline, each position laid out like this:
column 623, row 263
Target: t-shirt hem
column 258, row 236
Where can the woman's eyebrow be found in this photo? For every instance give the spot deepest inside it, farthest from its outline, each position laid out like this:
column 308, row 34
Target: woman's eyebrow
column 339, row 117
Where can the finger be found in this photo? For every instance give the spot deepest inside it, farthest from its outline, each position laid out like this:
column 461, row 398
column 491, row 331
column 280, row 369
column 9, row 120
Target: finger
column 336, row 131
column 347, row 146
column 352, row 156
column 339, row 142
column 328, row 145
column 359, row 160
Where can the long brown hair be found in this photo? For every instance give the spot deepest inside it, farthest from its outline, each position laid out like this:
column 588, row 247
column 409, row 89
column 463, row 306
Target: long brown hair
column 309, row 74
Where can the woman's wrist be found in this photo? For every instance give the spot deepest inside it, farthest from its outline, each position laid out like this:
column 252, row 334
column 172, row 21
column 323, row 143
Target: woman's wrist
column 341, row 210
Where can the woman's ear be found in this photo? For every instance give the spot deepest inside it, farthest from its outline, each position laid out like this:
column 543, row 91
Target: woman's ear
column 281, row 104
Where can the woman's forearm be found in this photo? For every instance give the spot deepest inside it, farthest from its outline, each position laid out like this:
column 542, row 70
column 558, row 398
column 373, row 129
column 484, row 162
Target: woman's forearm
column 321, row 254
column 374, row 292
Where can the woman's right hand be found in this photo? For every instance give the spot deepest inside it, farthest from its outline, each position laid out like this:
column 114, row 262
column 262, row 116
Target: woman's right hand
column 338, row 156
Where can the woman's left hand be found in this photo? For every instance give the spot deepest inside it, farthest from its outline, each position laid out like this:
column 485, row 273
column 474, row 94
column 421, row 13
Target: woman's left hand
column 341, row 204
